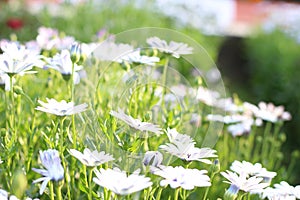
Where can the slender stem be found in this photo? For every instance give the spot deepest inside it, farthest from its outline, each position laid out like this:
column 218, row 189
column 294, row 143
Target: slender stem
column 164, row 80
column 58, row 192
column 159, row 193
column 265, row 143
column 51, row 191
column 176, row 194
column 12, row 104
column 90, row 196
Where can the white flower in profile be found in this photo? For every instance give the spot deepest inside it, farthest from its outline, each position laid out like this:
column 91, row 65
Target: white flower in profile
column 136, row 123
column 61, row 108
column 62, row 63
column 268, row 112
column 207, row 96
column 275, row 194
column 136, row 57
column 11, row 67
column 282, row 191
column 110, row 51
column 243, row 127
column 178, row 176
column 91, row 158
column 1, row 161
column 5, row 196
column 183, row 146
column 250, row 169
column 253, row 185
column 271, row 113
column 174, row 48
column 118, row 182
column 54, row 170
column 153, row 158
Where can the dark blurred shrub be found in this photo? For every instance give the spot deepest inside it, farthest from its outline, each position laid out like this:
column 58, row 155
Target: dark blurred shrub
column 274, row 63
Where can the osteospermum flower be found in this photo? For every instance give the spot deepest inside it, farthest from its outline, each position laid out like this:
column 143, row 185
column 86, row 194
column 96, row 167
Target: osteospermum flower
column 174, row 48
column 250, row 169
column 269, row 112
column 136, row 123
column 207, row 96
column 136, row 57
column 237, row 182
column 11, row 67
column 282, row 191
column 178, row 176
column 49, row 38
column 61, row 108
column 153, row 158
column 62, row 63
column 54, row 170
column 183, row 146
column 118, row 182
column 110, row 51
column 91, row 158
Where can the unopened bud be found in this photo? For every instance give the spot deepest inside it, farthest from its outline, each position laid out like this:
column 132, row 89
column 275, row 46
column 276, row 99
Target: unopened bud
column 75, row 52
column 18, row 90
column 231, row 193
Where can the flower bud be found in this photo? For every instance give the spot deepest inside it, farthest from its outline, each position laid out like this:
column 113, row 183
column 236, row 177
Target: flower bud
column 75, row 52
column 231, row 193
column 153, row 158
column 215, row 167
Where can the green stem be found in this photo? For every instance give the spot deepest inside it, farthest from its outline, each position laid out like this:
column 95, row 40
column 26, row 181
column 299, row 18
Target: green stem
column 164, row 80
column 265, row 143
column 159, row 193
column 176, row 194
column 58, row 193
column 51, row 191
column 12, row 107
column 90, row 196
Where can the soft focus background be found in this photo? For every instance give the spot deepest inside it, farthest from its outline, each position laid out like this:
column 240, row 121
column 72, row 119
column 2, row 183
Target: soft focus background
column 255, row 44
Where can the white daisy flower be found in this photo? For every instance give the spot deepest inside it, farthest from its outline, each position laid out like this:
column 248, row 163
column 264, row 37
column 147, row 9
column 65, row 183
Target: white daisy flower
column 136, row 123
column 62, row 62
column 54, row 170
column 118, row 182
column 21, row 53
column 136, row 57
column 91, row 158
column 183, row 146
column 153, row 158
column 244, row 127
column 45, row 37
column 282, row 191
column 274, row 194
column 237, row 182
column 207, row 96
column 49, row 38
column 269, row 112
column 174, row 48
column 11, row 67
column 178, row 176
column 250, row 169
column 61, row 108
column 110, row 51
